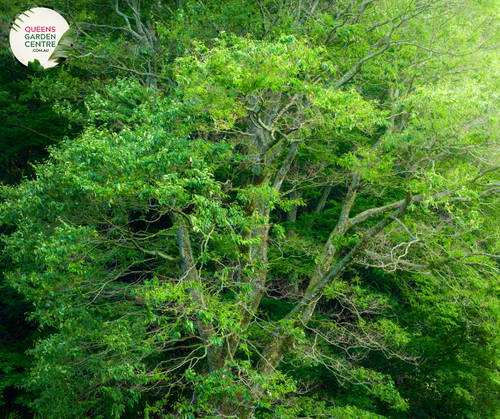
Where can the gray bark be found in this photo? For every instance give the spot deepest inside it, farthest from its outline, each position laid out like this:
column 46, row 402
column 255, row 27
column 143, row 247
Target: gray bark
column 190, row 274
column 291, row 215
column 324, row 196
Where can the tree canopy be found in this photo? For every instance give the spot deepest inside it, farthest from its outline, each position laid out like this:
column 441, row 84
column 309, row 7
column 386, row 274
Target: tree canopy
column 262, row 209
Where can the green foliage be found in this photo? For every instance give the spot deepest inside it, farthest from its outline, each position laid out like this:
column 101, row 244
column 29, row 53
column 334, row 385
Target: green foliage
column 64, row 46
column 85, row 175
column 150, row 254
column 220, row 81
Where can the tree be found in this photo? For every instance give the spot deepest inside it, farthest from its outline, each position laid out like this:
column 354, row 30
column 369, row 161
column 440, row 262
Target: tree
column 154, row 243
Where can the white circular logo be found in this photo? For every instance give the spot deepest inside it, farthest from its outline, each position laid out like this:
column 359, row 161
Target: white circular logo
column 37, row 34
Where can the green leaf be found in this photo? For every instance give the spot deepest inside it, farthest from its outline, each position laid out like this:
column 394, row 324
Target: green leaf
column 64, row 46
column 35, row 65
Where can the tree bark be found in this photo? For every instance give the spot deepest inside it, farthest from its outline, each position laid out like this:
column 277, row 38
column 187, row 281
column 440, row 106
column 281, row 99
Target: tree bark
column 324, row 196
column 291, row 215
column 190, row 274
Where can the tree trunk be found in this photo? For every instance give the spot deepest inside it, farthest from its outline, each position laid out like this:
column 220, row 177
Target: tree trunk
column 291, row 215
column 190, row 274
column 324, row 196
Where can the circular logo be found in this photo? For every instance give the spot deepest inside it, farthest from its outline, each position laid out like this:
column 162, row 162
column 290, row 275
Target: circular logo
column 40, row 34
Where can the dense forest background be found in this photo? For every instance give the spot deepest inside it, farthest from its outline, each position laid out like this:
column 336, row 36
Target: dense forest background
column 253, row 208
